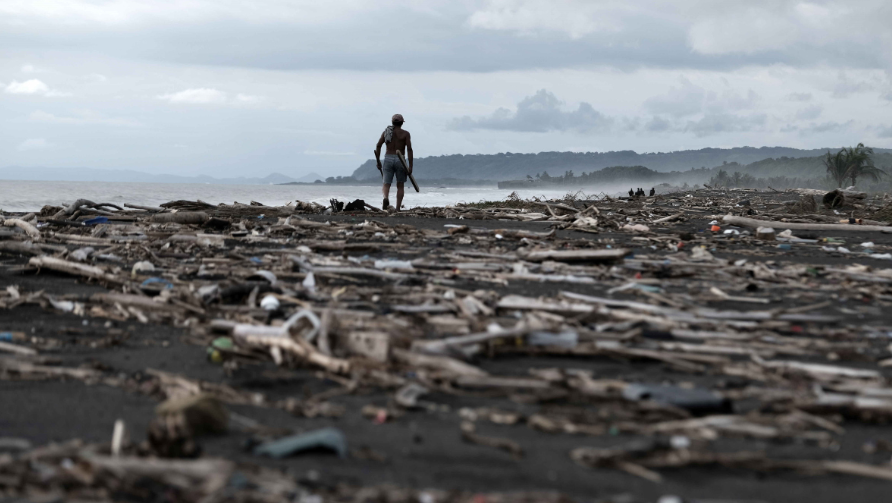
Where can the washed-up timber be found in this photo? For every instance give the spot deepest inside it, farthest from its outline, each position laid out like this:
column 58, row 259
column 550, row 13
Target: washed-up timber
column 510, row 351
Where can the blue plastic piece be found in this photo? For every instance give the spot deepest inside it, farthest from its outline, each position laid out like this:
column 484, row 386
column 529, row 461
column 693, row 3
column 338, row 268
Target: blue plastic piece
column 328, row 438
column 155, row 280
column 96, row 221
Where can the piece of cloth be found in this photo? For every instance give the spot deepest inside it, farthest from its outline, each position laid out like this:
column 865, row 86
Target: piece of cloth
column 388, row 134
column 393, row 167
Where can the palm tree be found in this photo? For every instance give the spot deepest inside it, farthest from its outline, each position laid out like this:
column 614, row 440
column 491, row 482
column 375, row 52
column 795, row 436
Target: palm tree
column 837, row 166
column 860, row 163
column 852, row 162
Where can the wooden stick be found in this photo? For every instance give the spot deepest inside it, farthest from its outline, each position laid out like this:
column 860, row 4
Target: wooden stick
column 598, row 256
column 406, row 166
column 754, row 224
column 74, row 268
column 29, row 229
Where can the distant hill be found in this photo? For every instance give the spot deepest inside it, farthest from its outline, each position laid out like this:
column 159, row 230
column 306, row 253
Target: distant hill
column 312, row 177
column 113, row 175
column 510, row 166
column 784, row 172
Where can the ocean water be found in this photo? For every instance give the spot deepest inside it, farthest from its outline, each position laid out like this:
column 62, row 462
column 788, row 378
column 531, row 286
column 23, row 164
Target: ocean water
column 16, row 195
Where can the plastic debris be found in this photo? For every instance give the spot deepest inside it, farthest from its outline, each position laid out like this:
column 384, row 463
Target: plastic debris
column 327, row 438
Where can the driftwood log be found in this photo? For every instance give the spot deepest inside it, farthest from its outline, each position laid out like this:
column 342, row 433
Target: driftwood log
column 75, row 206
column 73, row 268
column 839, row 198
column 181, row 217
column 755, row 224
column 29, row 229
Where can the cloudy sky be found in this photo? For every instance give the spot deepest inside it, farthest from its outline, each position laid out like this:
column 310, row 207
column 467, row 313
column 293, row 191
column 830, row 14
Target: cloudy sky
column 248, row 87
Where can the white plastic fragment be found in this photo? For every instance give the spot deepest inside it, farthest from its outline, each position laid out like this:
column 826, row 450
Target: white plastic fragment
column 81, row 254
column 117, row 438
column 270, row 303
column 310, row 282
column 393, row 264
column 143, row 267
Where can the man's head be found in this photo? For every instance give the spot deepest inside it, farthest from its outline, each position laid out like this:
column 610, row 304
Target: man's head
column 397, row 120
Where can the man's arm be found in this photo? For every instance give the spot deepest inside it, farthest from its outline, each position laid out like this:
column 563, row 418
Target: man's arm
column 409, row 149
column 378, row 151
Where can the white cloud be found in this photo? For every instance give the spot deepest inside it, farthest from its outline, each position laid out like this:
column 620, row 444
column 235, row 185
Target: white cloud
column 210, row 96
column 33, row 144
column 198, row 96
column 32, row 86
column 119, row 12
column 777, row 25
column 574, row 18
column 539, row 113
column 755, row 27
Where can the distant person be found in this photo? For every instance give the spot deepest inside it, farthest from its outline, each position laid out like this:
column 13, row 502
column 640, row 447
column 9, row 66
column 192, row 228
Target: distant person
column 653, row 191
column 631, row 193
column 397, row 140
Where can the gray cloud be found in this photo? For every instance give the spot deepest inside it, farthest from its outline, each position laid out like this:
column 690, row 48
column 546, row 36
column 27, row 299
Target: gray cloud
column 681, row 101
column 657, row 125
column 845, row 86
column 825, row 127
column 712, row 124
column 809, row 113
column 799, row 97
column 539, row 113
column 475, row 35
column 732, row 100
column 884, row 132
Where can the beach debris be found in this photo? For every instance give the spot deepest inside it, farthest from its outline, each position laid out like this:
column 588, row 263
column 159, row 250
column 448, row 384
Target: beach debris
column 681, row 320
column 331, row 439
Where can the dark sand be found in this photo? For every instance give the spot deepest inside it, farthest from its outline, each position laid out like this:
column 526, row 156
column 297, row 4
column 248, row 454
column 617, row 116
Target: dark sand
column 422, row 449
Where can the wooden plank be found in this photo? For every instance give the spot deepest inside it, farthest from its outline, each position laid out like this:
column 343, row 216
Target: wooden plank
column 597, row 256
column 406, row 167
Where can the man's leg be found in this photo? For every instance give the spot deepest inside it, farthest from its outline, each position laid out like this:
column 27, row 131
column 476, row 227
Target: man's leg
column 385, row 189
column 399, row 195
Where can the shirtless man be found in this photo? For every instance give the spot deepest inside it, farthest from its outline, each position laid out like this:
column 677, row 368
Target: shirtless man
column 397, row 139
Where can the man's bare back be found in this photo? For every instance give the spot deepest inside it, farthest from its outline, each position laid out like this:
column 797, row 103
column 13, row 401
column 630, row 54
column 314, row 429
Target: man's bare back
column 400, row 139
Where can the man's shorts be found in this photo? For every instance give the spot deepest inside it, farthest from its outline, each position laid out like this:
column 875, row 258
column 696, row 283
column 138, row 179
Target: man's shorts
column 392, row 166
